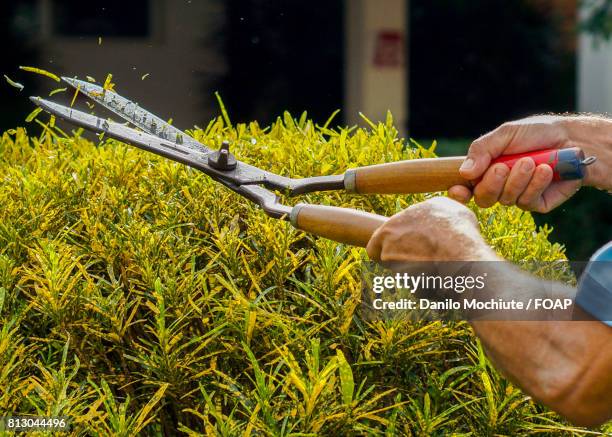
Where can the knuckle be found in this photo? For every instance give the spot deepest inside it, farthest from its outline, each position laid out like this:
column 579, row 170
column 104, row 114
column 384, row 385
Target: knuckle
column 480, row 146
column 440, row 202
column 512, row 190
column 505, row 128
column 477, row 145
column 486, row 191
column 461, row 198
column 542, row 209
column 470, row 216
column 413, row 210
column 455, row 196
column 535, row 208
column 542, row 176
column 385, row 231
column 530, row 203
column 428, row 202
column 483, row 202
column 526, row 204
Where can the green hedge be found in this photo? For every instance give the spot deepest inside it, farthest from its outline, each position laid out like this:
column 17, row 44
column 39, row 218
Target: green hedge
column 137, row 296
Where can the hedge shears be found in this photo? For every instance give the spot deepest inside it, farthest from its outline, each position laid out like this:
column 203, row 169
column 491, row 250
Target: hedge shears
column 343, row 225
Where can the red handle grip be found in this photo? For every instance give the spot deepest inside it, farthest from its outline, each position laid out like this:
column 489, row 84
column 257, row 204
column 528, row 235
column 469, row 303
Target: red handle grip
column 566, row 164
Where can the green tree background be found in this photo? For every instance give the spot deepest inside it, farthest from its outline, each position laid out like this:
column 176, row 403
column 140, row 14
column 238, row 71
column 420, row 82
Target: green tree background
column 597, row 18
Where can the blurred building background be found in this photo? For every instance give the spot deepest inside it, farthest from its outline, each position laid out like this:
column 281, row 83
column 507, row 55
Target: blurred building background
column 447, row 69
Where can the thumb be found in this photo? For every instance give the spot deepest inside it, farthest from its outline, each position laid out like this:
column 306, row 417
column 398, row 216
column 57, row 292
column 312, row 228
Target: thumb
column 483, row 150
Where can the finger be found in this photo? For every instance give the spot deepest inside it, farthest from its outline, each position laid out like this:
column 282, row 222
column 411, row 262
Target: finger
column 460, row 193
column 558, row 193
column 518, row 179
column 487, row 191
column 531, row 199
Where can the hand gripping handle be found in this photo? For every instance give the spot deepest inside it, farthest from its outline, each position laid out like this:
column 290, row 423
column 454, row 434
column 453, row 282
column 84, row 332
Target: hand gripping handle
column 439, row 174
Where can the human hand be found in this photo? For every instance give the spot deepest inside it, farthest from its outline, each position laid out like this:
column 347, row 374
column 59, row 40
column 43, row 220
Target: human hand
column 438, row 229
column 529, row 186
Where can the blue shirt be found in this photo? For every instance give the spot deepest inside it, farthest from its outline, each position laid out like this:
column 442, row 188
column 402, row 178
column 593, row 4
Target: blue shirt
column 595, row 287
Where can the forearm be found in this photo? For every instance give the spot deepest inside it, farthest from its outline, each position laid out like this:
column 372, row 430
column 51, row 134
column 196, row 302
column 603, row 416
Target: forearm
column 563, row 364
column 566, row 365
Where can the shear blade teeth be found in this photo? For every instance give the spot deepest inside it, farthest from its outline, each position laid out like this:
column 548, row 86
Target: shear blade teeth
column 70, row 81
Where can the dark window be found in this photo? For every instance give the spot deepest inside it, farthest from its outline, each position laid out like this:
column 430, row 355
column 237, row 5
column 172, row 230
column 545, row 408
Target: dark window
column 283, row 55
column 475, row 64
column 107, row 18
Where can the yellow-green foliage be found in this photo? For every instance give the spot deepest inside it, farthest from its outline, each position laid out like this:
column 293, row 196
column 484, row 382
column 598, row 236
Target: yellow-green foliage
column 137, row 296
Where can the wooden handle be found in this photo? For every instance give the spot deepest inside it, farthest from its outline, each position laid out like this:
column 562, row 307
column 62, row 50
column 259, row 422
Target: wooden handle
column 402, row 177
column 343, row 225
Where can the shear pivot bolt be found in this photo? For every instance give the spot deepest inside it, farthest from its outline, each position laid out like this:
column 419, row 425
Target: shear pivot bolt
column 222, row 159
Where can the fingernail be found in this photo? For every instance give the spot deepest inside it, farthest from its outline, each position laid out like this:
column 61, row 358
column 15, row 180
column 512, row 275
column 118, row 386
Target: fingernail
column 527, row 165
column 467, row 164
column 501, row 171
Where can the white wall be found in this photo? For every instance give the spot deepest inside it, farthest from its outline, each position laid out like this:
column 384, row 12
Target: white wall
column 369, row 88
column 179, row 56
column 594, row 75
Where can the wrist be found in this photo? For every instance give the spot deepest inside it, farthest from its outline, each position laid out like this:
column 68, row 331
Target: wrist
column 470, row 245
column 593, row 135
column 468, row 249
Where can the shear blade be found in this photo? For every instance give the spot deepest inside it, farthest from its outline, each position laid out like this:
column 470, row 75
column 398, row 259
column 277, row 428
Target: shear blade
column 133, row 113
column 123, row 133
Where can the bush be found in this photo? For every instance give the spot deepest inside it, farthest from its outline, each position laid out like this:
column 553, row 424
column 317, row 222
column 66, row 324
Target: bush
column 138, row 296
